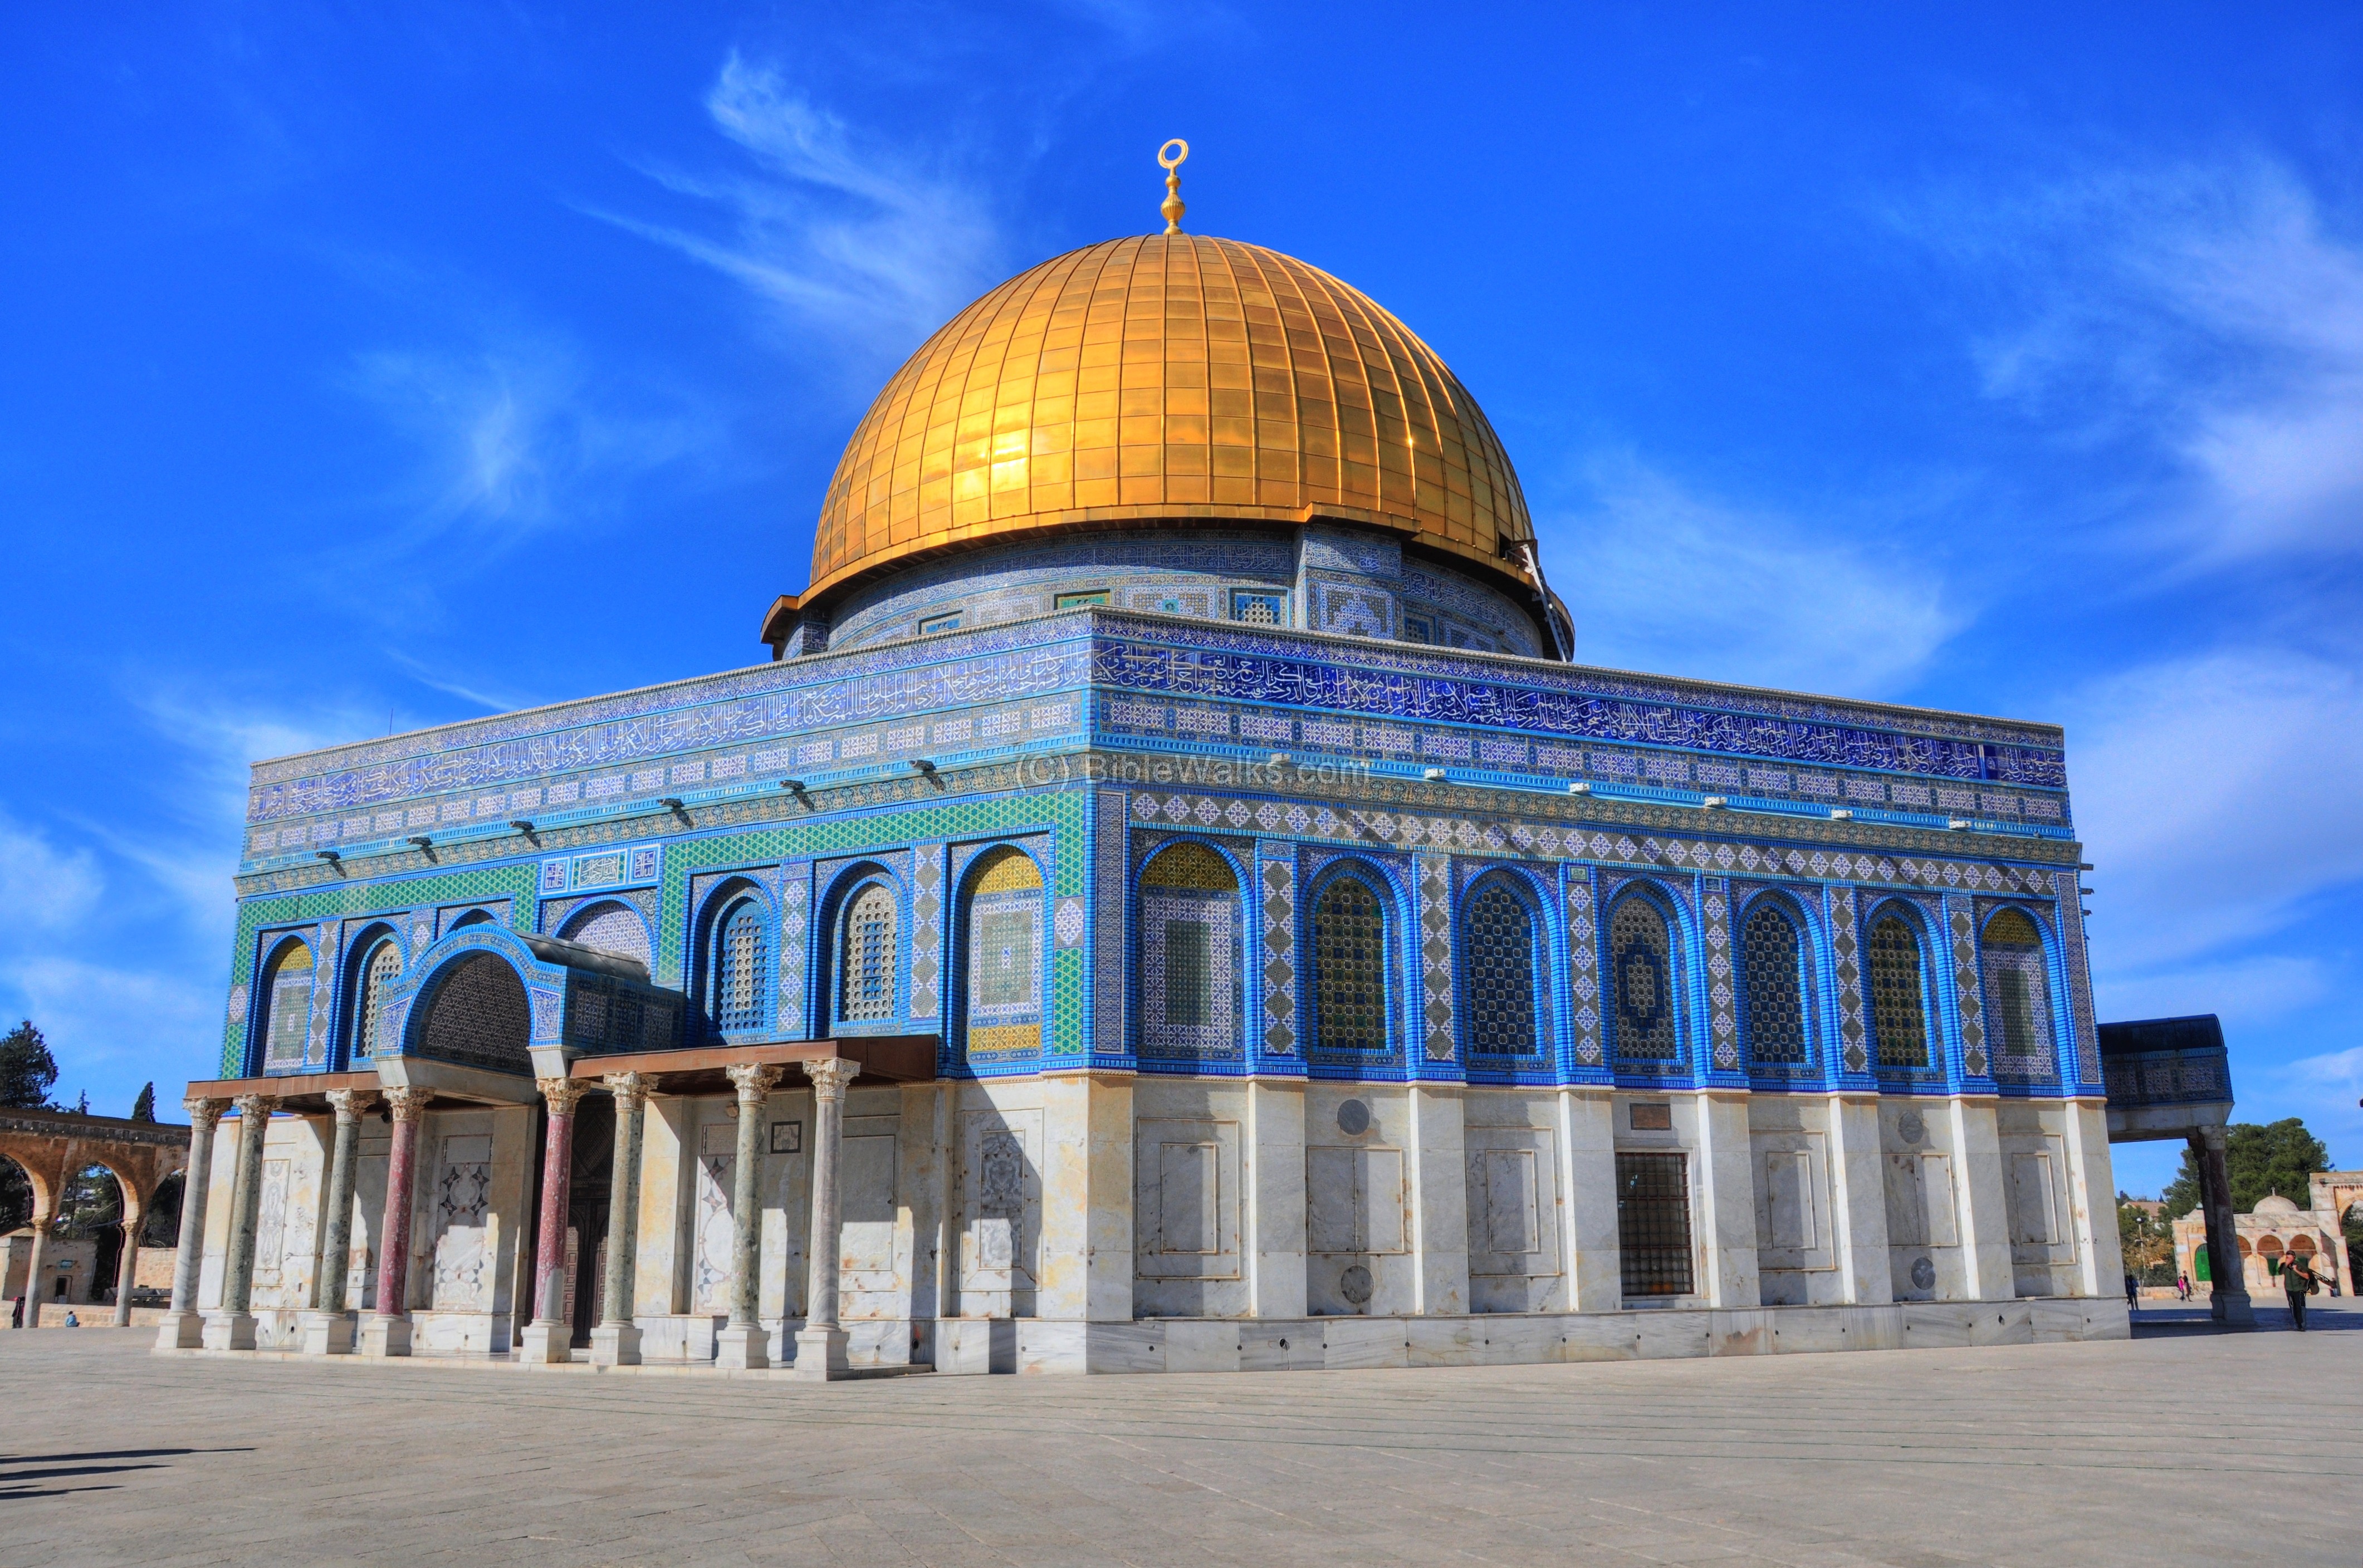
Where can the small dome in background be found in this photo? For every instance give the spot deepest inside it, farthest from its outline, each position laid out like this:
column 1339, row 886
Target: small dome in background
column 2276, row 1204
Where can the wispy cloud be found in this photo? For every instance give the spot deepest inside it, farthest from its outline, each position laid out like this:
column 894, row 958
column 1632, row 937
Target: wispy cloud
column 42, row 887
column 2203, row 796
column 840, row 231
column 1659, row 577
column 2210, row 312
column 511, row 437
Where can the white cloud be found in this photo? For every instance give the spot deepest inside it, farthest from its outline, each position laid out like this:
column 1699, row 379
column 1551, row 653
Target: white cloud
column 1661, row 579
column 2214, row 313
column 100, row 1018
column 862, row 240
column 44, row 888
column 2210, row 795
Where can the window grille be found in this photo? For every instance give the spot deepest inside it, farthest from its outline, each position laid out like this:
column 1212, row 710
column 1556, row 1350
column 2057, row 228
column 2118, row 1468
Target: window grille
column 1189, row 974
column 1349, row 968
column 479, row 1016
column 287, row 1030
column 1897, row 1013
column 1642, row 954
column 2018, row 997
column 1079, row 601
column 1499, row 945
column 1776, row 1009
column 1653, row 1223
column 866, row 992
column 1259, row 608
column 740, row 963
column 385, row 967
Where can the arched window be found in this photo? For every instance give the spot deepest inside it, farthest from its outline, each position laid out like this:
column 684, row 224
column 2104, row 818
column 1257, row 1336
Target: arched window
column 288, row 1018
column 1898, row 1015
column 1004, row 954
column 1190, row 999
column 1498, row 941
column 377, row 972
column 741, row 959
column 1641, row 974
column 865, row 986
column 1349, row 968
column 473, row 917
column 2018, row 997
column 611, row 927
column 477, row 1014
column 1774, row 990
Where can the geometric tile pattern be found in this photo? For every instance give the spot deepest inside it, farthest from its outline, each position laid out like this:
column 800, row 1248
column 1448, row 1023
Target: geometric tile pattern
column 1276, row 868
column 1109, row 868
column 926, row 928
column 1723, row 1024
column 1584, row 962
column 1641, row 974
column 796, row 924
column 1899, row 1005
column 2018, row 1000
column 1776, row 1011
column 1498, row 979
column 1349, row 968
column 1960, row 918
column 1846, row 969
column 1434, row 873
column 2079, row 989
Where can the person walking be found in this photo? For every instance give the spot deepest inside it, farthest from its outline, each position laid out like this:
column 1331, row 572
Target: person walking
column 2133, row 1291
column 2182, row 1286
column 2299, row 1281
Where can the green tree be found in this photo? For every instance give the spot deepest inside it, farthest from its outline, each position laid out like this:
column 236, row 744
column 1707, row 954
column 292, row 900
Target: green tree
column 144, row 1107
column 2277, row 1156
column 27, row 1069
column 2147, row 1243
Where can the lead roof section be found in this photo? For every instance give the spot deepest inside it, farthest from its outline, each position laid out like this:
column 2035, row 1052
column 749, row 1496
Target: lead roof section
column 1137, row 682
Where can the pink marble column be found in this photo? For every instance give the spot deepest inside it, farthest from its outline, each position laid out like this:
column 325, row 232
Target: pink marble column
column 388, row 1332
column 550, row 1336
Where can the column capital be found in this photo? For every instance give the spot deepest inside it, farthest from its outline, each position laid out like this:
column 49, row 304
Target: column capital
column 630, row 1089
column 255, row 1104
column 203, row 1109
column 754, row 1080
column 561, row 1095
column 349, row 1104
column 830, row 1075
column 408, row 1104
column 2212, row 1138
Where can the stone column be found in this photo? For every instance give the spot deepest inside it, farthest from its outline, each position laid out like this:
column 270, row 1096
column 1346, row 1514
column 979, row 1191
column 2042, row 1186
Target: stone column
column 182, row 1327
column 820, row 1345
column 326, row 1330
column 741, row 1344
column 126, row 1265
column 616, row 1342
column 43, row 1214
column 387, row 1331
column 549, row 1338
column 2228, row 1295
column 233, row 1327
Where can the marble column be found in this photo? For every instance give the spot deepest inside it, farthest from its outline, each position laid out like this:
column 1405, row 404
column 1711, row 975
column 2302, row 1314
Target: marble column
column 820, row 1344
column 182, row 1327
column 42, row 1215
column 549, row 1338
column 2228, row 1295
column 126, row 1263
column 326, row 1329
column 741, row 1344
column 232, row 1327
column 387, row 1331
column 616, row 1341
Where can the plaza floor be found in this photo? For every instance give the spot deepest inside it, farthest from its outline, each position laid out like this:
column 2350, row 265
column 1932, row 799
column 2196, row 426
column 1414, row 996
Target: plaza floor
column 2182, row 1445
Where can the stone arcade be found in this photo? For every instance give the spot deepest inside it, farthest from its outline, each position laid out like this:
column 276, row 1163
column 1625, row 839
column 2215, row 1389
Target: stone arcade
column 1169, row 902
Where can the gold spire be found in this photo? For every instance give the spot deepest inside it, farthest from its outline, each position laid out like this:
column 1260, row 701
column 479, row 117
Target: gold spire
column 1173, row 208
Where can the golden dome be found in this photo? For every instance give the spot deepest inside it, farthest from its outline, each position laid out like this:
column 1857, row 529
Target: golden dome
column 1162, row 377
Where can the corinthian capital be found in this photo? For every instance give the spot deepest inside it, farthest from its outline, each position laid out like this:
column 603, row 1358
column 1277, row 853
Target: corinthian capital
column 349, row 1104
column 408, row 1104
column 256, row 1105
column 754, row 1080
column 629, row 1088
column 204, row 1111
column 561, row 1095
column 830, row 1075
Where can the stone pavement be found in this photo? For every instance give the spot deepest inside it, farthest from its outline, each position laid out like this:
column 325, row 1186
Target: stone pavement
column 2142, row 1452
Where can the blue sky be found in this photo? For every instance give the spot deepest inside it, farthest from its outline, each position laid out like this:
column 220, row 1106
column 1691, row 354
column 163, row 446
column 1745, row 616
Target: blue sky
column 363, row 371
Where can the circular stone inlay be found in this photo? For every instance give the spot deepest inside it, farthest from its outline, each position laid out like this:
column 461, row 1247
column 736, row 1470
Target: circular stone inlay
column 1924, row 1275
column 1354, row 1284
column 1354, row 1119
column 1911, row 1127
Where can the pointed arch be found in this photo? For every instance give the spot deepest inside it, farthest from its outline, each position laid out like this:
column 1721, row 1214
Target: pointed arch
column 1187, row 965
column 1897, row 949
column 1775, row 1019
column 371, row 973
column 867, row 948
column 1500, row 950
column 1001, row 931
column 284, row 1014
column 1353, row 935
column 612, row 926
column 2016, row 977
column 1644, row 979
